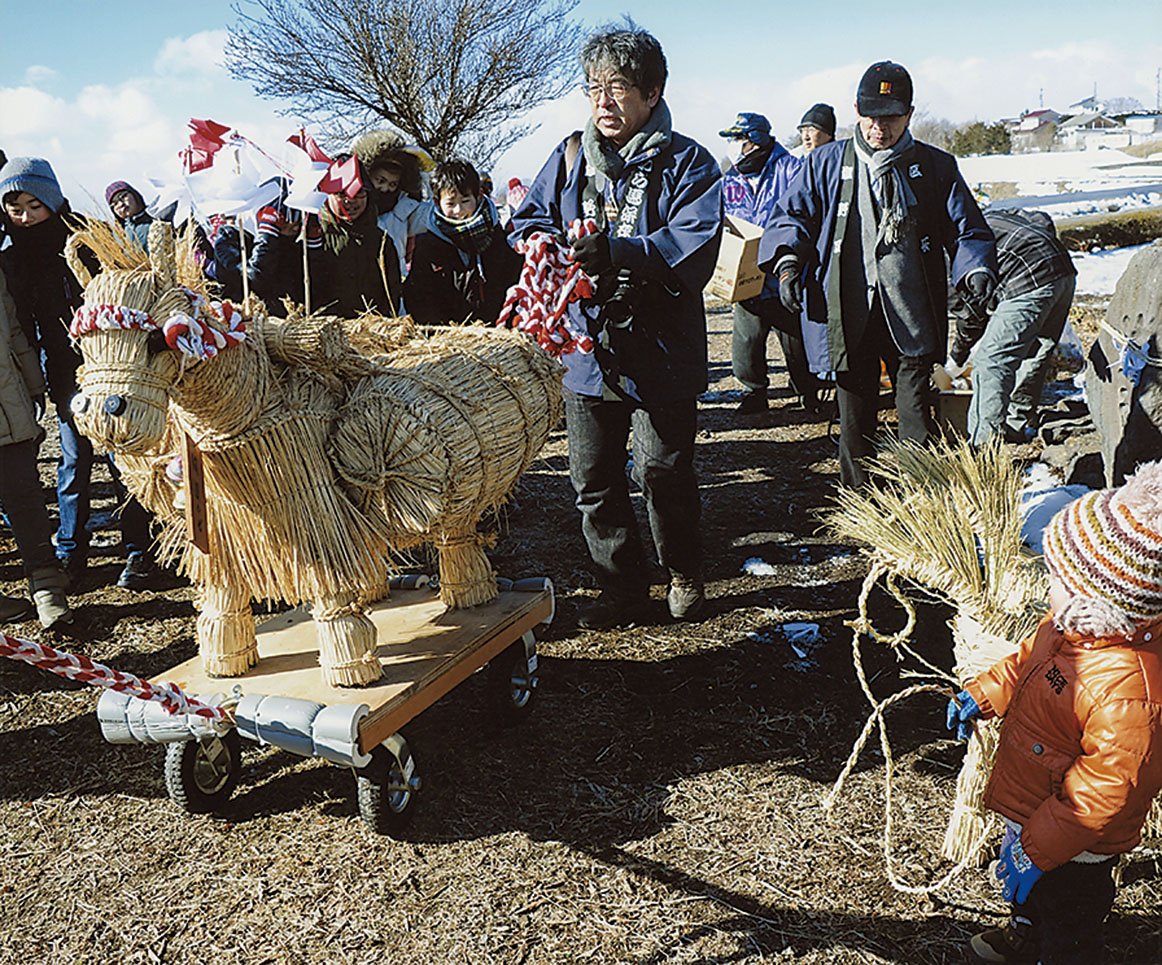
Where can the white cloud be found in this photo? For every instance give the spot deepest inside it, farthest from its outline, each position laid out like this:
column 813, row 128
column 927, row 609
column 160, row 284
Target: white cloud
column 38, row 74
column 27, row 113
column 200, row 53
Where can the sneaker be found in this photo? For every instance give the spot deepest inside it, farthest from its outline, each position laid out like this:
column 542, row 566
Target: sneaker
column 608, row 611
column 139, row 573
column 14, row 609
column 52, row 608
column 753, row 403
column 1015, row 943
column 685, row 598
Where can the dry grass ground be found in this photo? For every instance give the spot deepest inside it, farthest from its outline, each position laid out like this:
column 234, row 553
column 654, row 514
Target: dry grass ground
column 661, row 805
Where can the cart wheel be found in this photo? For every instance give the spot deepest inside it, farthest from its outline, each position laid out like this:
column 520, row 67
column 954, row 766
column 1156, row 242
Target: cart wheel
column 387, row 787
column 200, row 775
column 512, row 681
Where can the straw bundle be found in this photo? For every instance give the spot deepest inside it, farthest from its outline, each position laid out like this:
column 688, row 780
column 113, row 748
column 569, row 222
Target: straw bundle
column 948, row 518
column 227, row 642
column 441, row 436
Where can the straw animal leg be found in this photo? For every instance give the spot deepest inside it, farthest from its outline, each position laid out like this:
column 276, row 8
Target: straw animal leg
column 227, row 641
column 466, row 577
column 347, row 642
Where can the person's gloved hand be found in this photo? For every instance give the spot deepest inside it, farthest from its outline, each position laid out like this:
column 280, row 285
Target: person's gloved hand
column 791, row 287
column 1016, row 871
column 980, row 285
column 591, row 252
column 959, row 353
column 962, row 711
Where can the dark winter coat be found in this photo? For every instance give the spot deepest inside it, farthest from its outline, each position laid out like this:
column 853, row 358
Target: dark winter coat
column 46, row 294
column 804, row 224
column 670, row 257
column 349, row 281
column 276, row 269
column 448, row 284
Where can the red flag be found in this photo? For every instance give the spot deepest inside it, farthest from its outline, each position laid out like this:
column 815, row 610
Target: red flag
column 342, row 178
column 307, row 143
column 194, row 159
column 205, row 141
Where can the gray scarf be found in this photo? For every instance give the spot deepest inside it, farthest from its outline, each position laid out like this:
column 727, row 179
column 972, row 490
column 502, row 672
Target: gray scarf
column 892, row 192
column 603, row 156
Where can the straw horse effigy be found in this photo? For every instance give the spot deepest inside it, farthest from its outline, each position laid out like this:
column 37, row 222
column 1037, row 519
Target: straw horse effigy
column 326, row 445
column 947, row 520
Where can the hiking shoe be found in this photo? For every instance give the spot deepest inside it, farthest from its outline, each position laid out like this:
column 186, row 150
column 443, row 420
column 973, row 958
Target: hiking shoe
column 685, row 598
column 74, row 565
column 1015, row 944
column 753, row 403
column 139, row 573
column 608, row 611
column 46, row 584
column 14, row 609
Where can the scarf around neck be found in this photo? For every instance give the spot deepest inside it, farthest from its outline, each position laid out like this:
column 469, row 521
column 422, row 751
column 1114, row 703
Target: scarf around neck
column 604, row 156
column 891, row 189
column 337, row 231
column 754, row 162
column 472, row 234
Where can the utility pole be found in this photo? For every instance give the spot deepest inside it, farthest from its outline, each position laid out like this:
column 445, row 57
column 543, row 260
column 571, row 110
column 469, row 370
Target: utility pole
column 1041, row 98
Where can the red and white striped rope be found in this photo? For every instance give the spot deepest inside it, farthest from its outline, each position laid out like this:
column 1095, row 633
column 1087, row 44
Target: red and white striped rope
column 549, row 282
column 75, row 667
column 196, row 333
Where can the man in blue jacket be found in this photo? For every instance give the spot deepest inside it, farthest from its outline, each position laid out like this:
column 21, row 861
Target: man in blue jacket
column 858, row 245
column 757, row 177
column 657, row 200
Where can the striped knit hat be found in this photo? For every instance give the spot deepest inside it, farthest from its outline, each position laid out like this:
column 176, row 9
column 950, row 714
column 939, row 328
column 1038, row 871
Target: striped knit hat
column 1106, row 548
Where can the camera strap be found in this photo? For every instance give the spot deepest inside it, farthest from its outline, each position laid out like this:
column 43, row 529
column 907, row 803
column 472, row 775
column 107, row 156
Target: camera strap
column 599, row 202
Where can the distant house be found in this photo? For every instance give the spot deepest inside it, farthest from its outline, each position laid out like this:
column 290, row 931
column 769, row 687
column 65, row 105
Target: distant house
column 1033, row 130
column 1090, row 130
column 1109, row 106
column 1144, row 126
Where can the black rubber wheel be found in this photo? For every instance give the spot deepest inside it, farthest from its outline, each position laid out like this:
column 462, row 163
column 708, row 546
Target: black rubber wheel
column 511, row 687
column 386, row 788
column 200, row 775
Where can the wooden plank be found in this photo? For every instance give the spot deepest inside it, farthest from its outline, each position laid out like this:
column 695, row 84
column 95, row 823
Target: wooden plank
column 197, row 524
column 425, row 650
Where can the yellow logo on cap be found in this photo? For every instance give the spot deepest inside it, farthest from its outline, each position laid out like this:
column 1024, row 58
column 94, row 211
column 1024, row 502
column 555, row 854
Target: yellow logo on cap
column 885, row 86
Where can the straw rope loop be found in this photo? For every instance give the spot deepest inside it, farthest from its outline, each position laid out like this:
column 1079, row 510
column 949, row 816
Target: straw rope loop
column 550, row 281
column 77, row 667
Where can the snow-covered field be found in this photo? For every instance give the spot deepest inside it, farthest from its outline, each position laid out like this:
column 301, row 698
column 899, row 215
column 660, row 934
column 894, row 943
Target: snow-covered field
column 1098, row 271
column 1070, row 183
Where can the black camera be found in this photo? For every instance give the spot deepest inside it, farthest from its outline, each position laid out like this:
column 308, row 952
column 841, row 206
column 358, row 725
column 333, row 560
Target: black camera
column 617, row 310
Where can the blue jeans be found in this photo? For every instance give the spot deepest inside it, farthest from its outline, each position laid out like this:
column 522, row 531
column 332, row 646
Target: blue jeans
column 23, row 503
column 663, row 456
column 73, row 479
column 1012, row 359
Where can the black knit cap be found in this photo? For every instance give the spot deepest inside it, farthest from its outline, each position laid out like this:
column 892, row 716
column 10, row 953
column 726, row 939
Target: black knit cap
column 884, row 90
column 821, row 116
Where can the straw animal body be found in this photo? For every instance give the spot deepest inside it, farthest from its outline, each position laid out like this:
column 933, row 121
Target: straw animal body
column 320, row 461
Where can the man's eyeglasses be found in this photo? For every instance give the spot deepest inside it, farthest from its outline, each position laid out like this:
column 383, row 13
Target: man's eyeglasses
column 617, row 89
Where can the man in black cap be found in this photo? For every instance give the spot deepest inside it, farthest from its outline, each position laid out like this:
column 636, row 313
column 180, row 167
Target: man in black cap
column 817, row 127
column 858, row 246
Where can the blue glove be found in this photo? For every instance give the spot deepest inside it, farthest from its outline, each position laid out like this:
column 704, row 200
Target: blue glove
column 962, row 711
column 1016, row 871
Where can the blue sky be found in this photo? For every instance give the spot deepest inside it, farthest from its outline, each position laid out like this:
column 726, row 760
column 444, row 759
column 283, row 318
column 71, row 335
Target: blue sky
column 104, row 90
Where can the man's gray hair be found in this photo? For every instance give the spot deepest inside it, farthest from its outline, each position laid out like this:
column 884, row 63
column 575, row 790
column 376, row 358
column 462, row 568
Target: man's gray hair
column 626, row 49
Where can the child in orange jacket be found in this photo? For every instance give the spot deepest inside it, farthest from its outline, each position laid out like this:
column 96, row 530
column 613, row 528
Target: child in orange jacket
column 1080, row 754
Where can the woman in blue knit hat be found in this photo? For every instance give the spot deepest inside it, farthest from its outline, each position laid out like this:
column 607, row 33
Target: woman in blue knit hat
column 37, row 218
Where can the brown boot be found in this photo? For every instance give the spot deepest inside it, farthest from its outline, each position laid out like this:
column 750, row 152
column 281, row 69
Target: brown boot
column 47, row 587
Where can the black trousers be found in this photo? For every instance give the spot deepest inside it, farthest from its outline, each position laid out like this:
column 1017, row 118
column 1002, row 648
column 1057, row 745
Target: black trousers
column 858, row 393
column 663, row 465
column 748, row 348
column 1067, row 907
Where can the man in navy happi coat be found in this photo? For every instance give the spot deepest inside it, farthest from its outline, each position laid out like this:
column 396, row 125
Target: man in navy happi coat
column 858, row 246
column 656, row 197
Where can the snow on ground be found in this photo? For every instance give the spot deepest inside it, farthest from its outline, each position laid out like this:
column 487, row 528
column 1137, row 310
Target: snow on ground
column 1070, row 183
column 1098, row 271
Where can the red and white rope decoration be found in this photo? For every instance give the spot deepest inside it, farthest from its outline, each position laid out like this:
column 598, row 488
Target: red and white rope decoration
column 549, row 282
column 171, row 697
column 190, row 333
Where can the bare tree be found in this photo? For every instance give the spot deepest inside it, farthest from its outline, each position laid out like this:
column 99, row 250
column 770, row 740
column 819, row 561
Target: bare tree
column 455, row 76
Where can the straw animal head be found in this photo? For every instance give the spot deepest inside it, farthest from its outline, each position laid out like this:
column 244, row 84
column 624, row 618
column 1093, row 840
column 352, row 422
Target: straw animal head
column 136, row 330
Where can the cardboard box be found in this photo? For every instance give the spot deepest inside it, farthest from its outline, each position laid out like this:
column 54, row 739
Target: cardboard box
column 952, row 410
column 737, row 274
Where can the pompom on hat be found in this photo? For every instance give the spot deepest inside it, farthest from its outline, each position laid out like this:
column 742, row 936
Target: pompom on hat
column 35, row 176
column 1105, row 549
